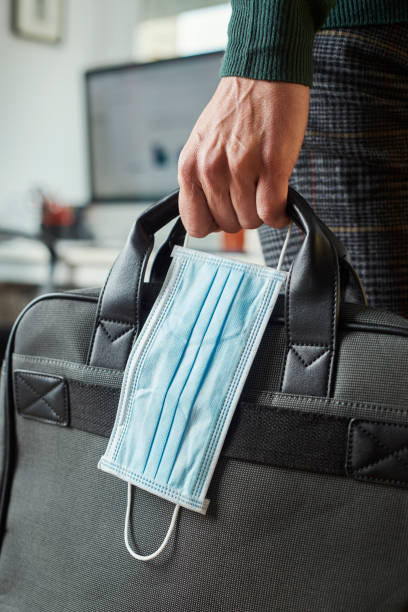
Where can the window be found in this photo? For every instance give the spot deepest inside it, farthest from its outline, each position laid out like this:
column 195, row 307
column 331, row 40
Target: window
column 186, row 33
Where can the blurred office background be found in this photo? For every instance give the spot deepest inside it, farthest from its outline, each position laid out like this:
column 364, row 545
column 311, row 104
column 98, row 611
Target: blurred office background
column 92, row 121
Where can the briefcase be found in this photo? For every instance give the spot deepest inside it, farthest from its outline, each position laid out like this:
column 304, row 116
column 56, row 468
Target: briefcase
column 308, row 502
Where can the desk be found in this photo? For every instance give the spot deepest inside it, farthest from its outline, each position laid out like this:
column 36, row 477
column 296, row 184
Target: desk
column 80, row 264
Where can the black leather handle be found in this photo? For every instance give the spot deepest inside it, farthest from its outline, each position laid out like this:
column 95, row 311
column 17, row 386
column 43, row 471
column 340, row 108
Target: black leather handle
column 119, row 310
column 312, row 296
column 351, row 286
column 312, row 305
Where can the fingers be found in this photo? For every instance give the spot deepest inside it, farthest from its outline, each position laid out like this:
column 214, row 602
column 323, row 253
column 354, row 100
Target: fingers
column 214, row 180
column 271, row 197
column 204, row 200
column 243, row 195
column 219, row 194
column 193, row 207
column 195, row 213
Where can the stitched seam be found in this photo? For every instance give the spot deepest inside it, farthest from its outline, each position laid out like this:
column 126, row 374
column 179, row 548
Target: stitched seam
column 327, row 346
column 98, row 315
column 392, row 455
column 382, row 424
column 19, row 407
column 400, row 483
column 65, row 401
column 39, row 397
column 193, row 501
column 111, row 338
column 72, row 381
column 383, row 446
column 333, row 327
column 305, row 363
column 122, row 321
column 76, row 366
column 287, row 322
column 222, row 416
column 256, row 269
column 349, row 458
column 307, row 399
column 143, row 355
column 179, row 365
column 262, row 407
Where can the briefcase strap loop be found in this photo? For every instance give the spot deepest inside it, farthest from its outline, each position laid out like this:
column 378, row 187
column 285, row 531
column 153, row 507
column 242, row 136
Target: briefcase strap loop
column 313, row 295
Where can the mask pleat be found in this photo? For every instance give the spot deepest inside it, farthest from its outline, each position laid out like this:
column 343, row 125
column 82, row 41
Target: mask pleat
column 157, row 374
column 186, row 372
column 203, row 373
column 194, row 361
column 177, row 366
column 185, row 366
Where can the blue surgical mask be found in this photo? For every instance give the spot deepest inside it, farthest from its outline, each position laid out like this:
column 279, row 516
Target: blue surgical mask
column 184, row 377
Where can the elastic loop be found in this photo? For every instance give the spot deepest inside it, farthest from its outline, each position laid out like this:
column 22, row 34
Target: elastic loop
column 126, row 532
column 186, row 240
column 283, row 251
column 285, row 246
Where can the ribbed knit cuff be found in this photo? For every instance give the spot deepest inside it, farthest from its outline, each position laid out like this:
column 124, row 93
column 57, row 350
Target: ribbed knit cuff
column 272, row 40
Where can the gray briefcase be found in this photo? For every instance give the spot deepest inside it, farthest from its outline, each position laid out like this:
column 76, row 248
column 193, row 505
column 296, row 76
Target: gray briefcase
column 309, row 500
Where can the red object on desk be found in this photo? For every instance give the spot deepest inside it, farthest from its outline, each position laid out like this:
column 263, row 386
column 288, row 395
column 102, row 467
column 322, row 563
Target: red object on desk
column 233, row 242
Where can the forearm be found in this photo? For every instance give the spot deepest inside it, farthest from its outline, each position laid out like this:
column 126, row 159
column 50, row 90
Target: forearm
column 272, row 40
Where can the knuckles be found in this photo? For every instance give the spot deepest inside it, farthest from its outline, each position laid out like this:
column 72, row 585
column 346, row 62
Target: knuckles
column 273, row 218
column 209, row 169
column 185, row 171
column 238, row 164
column 248, row 225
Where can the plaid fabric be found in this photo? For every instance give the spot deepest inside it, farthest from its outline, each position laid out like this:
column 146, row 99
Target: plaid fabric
column 353, row 166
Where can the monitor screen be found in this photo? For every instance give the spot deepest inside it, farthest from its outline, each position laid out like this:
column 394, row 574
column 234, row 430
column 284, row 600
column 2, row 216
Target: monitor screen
column 139, row 118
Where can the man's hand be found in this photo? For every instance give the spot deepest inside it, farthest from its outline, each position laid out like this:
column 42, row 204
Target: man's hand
column 234, row 169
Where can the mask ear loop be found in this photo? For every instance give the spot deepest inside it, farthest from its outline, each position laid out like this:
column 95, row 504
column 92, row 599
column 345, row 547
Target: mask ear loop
column 284, row 247
column 126, row 531
column 283, row 251
column 186, row 240
column 176, row 510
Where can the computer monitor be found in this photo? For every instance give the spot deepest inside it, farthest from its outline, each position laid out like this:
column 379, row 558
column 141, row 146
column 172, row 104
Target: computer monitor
column 139, row 118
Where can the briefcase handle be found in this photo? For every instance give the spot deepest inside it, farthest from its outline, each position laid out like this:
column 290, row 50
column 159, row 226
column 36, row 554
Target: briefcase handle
column 312, row 301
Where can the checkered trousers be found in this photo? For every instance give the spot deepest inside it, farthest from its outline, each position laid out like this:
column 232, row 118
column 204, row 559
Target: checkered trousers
column 353, row 165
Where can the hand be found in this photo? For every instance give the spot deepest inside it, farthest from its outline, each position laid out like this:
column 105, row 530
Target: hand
column 234, row 169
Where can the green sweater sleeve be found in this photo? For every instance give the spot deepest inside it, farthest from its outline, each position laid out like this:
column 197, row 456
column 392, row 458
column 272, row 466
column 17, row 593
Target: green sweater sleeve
column 272, row 40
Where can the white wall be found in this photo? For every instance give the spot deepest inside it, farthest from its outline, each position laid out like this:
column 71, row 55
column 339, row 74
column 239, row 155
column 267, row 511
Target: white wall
column 42, row 114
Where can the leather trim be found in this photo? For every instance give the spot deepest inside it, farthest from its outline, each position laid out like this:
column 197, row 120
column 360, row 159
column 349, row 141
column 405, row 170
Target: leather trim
column 312, row 307
column 122, row 297
column 43, row 397
column 313, row 299
column 378, row 452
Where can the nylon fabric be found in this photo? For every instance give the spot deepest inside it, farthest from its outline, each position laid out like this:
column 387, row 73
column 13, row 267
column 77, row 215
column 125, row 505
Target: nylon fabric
column 104, row 402
column 380, row 358
column 352, row 375
column 326, row 542
column 346, row 539
column 330, row 406
column 92, row 375
column 355, row 313
column 266, row 369
column 65, row 331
